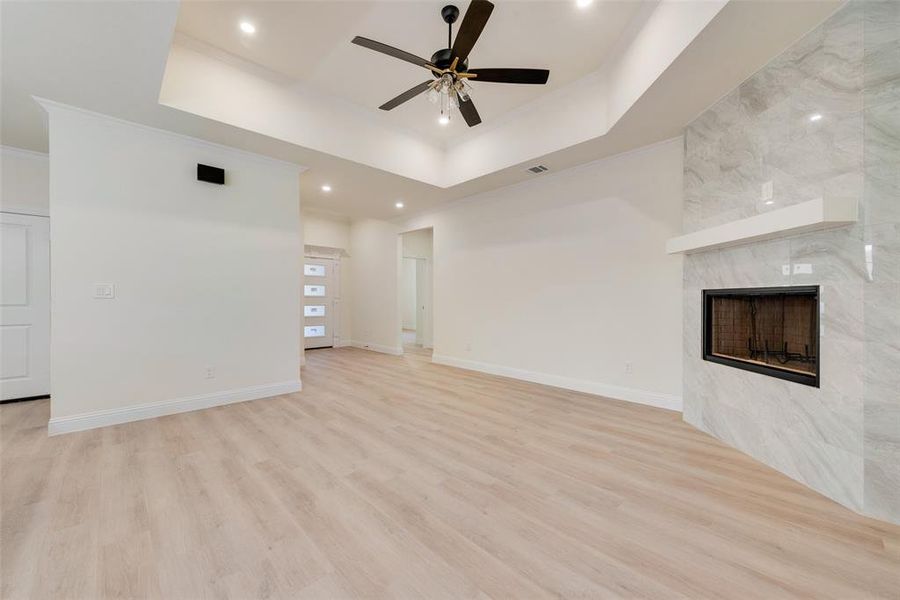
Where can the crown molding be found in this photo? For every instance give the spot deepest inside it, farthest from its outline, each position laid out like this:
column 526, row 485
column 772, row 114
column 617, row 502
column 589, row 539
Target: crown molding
column 51, row 105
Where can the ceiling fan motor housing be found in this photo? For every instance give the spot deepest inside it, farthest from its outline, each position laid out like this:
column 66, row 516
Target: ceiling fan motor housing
column 442, row 59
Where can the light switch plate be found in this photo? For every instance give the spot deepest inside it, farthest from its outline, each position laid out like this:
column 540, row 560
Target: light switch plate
column 766, row 192
column 785, row 269
column 104, row 291
column 803, row 269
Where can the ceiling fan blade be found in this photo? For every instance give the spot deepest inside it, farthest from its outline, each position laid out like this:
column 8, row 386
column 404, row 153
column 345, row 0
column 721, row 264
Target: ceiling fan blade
column 473, row 23
column 467, row 110
column 391, row 51
column 407, row 95
column 536, row 76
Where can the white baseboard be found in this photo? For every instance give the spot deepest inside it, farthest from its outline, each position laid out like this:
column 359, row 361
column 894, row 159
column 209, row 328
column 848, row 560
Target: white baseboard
column 116, row 416
column 25, row 210
column 395, row 350
column 657, row 399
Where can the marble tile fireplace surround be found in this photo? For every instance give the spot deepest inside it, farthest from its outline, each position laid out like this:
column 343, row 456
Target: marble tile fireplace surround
column 822, row 120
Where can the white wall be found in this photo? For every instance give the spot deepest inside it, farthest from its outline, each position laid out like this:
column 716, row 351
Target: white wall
column 326, row 231
column 24, row 181
column 565, row 279
column 375, row 309
column 418, row 244
column 206, row 276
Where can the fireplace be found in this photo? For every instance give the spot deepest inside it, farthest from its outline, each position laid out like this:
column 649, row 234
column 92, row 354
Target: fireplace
column 773, row 331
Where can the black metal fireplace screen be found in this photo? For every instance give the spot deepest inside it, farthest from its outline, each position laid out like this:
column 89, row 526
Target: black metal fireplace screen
column 773, row 331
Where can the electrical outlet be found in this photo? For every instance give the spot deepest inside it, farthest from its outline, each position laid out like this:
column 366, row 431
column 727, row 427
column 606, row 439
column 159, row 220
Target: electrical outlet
column 210, row 373
column 629, row 368
column 785, row 269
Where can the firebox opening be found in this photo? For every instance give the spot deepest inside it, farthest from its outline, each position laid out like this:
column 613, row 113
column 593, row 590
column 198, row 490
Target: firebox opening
column 773, row 331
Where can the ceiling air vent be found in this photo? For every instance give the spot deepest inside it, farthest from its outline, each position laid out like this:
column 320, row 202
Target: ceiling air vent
column 538, row 169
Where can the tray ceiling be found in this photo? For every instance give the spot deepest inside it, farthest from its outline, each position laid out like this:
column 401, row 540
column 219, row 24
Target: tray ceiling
column 112, row 57
column 309, row 43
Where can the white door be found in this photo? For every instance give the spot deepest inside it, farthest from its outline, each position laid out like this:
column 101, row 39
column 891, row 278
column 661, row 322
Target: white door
column 319, row 283
column 24, row 306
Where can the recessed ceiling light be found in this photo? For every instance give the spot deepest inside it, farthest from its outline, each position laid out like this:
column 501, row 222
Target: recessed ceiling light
column 248, row 27
column 583, row 3
column 444, row 120
column 326, row 188
column 815, row 117
column 398, row 204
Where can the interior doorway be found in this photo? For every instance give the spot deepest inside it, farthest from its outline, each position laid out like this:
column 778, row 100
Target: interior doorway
column 416, row 291
column 24, row 307
column 413, row 300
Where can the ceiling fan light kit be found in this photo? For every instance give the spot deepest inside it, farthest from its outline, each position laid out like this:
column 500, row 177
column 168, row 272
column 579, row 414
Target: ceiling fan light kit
column 450, row 66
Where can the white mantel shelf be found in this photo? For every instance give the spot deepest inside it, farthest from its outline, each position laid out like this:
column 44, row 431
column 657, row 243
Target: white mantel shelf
column 798, row 218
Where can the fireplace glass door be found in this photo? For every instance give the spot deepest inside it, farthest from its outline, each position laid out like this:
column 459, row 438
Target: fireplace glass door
column 772, row 331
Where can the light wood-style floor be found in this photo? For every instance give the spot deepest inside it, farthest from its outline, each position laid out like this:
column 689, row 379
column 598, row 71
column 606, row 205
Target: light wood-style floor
column 392, row 477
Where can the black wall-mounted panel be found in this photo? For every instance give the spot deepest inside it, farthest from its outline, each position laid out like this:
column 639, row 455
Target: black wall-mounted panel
column 210, row 174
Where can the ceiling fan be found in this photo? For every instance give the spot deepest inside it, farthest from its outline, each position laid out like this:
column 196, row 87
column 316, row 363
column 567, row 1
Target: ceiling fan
column 450, row 66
